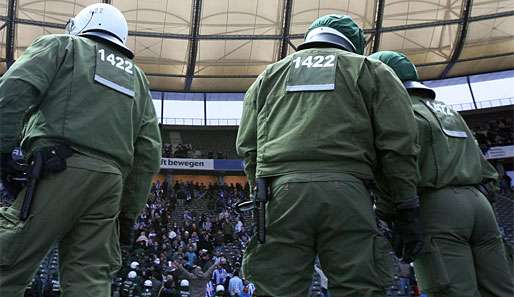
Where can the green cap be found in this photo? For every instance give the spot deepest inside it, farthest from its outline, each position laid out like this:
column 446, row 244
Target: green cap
column 345, row 25
column 404, row 69
column 401, row 65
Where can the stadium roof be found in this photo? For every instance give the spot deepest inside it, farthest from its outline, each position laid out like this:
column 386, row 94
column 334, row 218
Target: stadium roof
column 222, row 45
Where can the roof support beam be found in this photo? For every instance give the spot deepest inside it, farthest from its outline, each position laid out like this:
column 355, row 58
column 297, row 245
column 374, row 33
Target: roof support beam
column 274, row 37
column 378, row 26
column 461, row 37
column 286, row 24
column 193, row 43
column 11, row 32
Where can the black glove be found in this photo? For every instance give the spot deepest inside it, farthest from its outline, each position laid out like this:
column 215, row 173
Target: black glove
column 12, row 174
column 407, row 234
column 126, row 232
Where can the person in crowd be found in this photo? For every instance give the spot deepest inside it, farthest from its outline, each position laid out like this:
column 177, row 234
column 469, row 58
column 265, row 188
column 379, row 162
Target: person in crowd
column 168, row 289
column 316, row 127
column 235, row 286
column 506, row 185
column 220, row 291
column 464, row 253
column 130, row 286
column 147, row 289
column 191, row 256
column 91, row 137
column 404, row 275
column 184, row 290
column 220, row 273
column 248, row 288
column 323, row 281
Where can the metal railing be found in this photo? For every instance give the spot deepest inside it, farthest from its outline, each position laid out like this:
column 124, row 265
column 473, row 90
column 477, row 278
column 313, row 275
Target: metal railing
column 483, row 104
column 495, row 102
column 235, row 122
column 200, row 122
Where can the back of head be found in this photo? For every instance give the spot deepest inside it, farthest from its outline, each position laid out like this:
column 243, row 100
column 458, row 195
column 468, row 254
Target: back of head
column 405, row 70
column 101, row 21
column 336, row 31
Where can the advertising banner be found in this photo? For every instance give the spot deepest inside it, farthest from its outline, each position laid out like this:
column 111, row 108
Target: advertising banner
column 228, row 165
column 500, row 152
column 187, row 164
column 201, row 164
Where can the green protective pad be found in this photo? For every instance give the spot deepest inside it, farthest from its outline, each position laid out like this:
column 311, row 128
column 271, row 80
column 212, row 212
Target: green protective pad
column 114, row 71
column 448, row 119
column 311, row 72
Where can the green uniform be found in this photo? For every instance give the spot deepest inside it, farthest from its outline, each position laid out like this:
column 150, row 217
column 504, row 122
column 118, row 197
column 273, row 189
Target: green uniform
column 318, row 123
column 88, row 94
column 463, row 254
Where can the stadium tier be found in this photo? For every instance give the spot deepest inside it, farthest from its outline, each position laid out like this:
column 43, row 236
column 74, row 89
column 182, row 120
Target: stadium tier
column 332, row 104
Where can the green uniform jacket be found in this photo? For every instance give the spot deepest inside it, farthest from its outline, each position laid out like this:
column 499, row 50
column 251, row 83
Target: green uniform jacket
column 328, row 110
column 88, row 94
column 450, row 155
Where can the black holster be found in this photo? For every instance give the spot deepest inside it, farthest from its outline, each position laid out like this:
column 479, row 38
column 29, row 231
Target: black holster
column 262, row 195
column 44, row 161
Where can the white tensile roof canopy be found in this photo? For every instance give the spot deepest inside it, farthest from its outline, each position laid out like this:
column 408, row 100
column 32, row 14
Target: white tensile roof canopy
column 222, row 45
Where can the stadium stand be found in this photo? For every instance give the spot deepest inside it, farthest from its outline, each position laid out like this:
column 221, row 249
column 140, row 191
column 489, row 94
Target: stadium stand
column 207, row 143
column 187, row 226
column 504, row 207
column 492, row 126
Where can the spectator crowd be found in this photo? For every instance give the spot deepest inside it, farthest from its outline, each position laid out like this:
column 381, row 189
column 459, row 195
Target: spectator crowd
column 187, row 151
column 494, row 133
column 181, row 244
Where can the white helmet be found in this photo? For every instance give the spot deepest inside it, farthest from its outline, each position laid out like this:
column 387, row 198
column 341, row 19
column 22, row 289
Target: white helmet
column 102, row 21
column 220, row 288
column 134, row 265
column 184, row 283
column 148, row 283
column 132, row 275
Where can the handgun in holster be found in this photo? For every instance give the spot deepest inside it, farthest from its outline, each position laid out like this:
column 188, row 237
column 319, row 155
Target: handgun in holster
column 262, row 193
column 258, row 205
column 43, row 161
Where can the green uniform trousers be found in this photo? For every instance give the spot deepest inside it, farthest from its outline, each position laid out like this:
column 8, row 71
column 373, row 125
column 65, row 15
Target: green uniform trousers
column 329, row 215
column 76, row 208
column 463, row 254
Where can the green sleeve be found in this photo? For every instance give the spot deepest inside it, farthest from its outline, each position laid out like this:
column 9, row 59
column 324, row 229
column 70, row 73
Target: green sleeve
column 489, row 173
column 147, row 160
column 395, row 132
column 22, row 86
column 246, row 143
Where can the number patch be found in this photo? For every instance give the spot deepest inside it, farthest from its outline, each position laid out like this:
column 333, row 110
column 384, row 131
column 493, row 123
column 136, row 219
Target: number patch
column 116, row 61
column 314, row 61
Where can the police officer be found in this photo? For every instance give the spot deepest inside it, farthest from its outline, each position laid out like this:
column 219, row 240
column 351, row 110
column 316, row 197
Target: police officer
column 184, row 290
column 317, row 125
column 83, row 112
column 147, row 289
column 463, row 254
column 130, row 285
